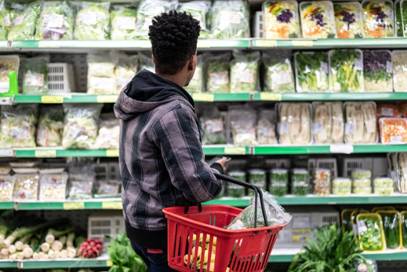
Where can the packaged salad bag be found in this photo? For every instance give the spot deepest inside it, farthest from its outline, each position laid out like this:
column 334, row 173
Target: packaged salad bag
column 56, row 21
column 123, row 22
column 24, row 20
column 5, row 20
column 35, row 75
column 92, row 21
column 200, row 11
column 281, row 20
column 311, row 70
column 244, row 72
column 278, row 73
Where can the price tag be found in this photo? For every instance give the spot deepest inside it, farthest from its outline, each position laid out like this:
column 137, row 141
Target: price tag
column 6, row 101
column 6, row 152
column 265, row 43
column 112, row 205
column 47, row 153
column 235, row 150
column 106, row 98
column 74, row 205
column 52, row 99
column 341, row 148
column 303, row 43
column 270, row 97
column 112, row 153
column 203, row 97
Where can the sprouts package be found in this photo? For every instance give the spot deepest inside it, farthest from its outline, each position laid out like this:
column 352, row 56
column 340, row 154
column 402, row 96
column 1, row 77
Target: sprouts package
column 101, row 74
column 109, row 133
column 378, row 18
column 50, row 126
column 81, row 179
column 123, row 22
column 361, row 126
column 280, row 19
column 35, row 75
column 244, row 72
column 230, row 19
column 199, row 10
column 218, row 73
column 24, row 21
column 18, row 124
column 81, row 126
column 348, row 20
column 311, row 69
column 243, row 125
column 8, row 63
column 278, row 74
column 147, row 10
column 56, row 21
column 342, row 186
column 25, row 184
column 213, row 125
column 328, row 123
column 383, row 186
column 53, row 185
column 275, row 214
column 294, row 123
column 125, row 70
column 399, row 59
column 196, row 85
column 266, row 129
column 378, row 71
column 346, row 70
column 92, row 21
column 317, row 19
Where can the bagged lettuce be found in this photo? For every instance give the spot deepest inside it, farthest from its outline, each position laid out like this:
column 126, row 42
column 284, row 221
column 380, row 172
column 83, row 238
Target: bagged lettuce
column 230, row 19
column 213, row 125
column 35, row 75
column 56, row 21
column 243, row 125
column 109, row 133
column 266, row 127
column 244, row 72
column 196, row 85
column 199, row 10
column 25, row 18
column 101, row 76
column 126, row 68
column 92, row 21
column 123, row 22
column 399, row 58
column 50, row 126
column 218, row 73
column 279, row 76
column 5, row 20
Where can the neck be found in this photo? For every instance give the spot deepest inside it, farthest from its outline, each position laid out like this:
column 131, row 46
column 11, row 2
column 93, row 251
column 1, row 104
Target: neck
column 173, row 78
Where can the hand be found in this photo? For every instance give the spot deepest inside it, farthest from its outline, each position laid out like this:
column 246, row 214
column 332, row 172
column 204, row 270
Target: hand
column 223, row 162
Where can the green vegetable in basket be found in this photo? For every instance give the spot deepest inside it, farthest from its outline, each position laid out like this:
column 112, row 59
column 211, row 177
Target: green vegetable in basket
column 92, row 21
column 123, row 257
column 346, row 74
column 24, row 21
column 123, row 22
column 56, row 21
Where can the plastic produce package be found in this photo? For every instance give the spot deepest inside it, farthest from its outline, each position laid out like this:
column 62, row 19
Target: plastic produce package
column 92, row 21
column 276, row 214
column 243, row 125
column 393, row 130
column 6, row 187
column 294, row 123
column 362, row 186
column 199, row 10
column 126, row 68
column 300, row 182
column 235, row 190
column 56, row 21
column 281, row 20
column 328, row 123
column 147, row 10
column 218, row 78
column 8, row 63
column 25, row 184
column 279, row 182
column 81, row 126
column 50, row 126
column 146, row 63
column 378, row 71
column 108, row 188
column 109, row 133
column 403, row 219
column 349, row 20
column 5, row 19
column 101, row 74
column 244, row 72
column 346, row 70
column 18, row 124
column 53, row 184
column 317, row 19
column 341, row 186
column 266, row 129
column 378, row 18
column 81, row 179
column 197, row 83
column 24, row 21
column 391, row 228
column 388, row 110
column 399, row 59
column 213, row 125
column 370, row 232
column 322, row 181
column 35, row 75
column 311, row 69
column 361, row 174
column 360, row 124
column 258, row 178
column 123, row 22
column 279, row 76
column 383, row 186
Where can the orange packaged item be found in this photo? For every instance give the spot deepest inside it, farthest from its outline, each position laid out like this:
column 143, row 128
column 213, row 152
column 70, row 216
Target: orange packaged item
column 388, row 110
column 393, row 130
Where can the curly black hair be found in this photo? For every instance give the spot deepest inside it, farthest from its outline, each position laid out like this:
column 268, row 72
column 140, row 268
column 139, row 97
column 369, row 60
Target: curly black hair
column 174, row 36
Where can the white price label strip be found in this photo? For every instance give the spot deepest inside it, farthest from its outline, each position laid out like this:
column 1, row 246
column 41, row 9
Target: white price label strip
column 6, row 152
column 6, row 101
column 341, row 148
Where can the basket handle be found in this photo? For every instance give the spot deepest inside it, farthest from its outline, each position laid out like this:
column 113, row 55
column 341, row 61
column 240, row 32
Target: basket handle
column 257, row 193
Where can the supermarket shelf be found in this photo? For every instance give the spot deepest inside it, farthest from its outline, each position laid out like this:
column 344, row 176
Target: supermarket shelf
column 54, row 264
column 216, row 97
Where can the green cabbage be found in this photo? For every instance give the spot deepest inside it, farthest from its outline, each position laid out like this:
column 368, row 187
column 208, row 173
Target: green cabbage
column 24, row 21
column 230, row 20
column 92, row 21
column 35, row 75
column 218, row 73
column 55, row 22
column 244, row 72
column 123, row 22
column 199, row 10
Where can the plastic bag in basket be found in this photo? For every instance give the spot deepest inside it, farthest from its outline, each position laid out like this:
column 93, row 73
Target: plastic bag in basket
column 275, row 213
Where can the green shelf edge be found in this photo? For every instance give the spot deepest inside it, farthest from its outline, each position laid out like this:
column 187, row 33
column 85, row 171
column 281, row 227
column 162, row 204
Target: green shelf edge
column 66, row 264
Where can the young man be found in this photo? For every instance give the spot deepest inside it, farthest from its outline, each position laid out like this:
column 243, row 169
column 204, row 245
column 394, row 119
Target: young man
column 161, row 158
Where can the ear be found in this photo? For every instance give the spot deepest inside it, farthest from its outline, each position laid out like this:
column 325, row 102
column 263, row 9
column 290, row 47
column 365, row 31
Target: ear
column 193, row 61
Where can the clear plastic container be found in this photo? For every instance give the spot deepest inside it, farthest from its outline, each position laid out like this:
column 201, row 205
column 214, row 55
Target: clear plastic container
column 25, row 184
column 362, row 186
column 6, row 187
column 393, row 130
column 342, row 186
column 258, row 178
column 370, row 232
column 281, row 20
column 383, row 186
column 361, row 174
column 53, row 185
column 311, row 71
column 399, row 59
column 234, row 190
column 378, row 71
column 328, row 123
column 378, row 18
column 317, row 19
column 348, row 20
column 391, row 228
column 279, row 75
column 300, row 182
column 322, row 182
column 361, row 124
column 294, row 123
column 279, row 182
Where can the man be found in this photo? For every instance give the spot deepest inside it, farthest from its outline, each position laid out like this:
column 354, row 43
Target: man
column 161, row 158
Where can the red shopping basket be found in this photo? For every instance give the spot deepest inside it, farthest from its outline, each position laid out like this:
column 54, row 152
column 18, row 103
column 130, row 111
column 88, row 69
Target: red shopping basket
column 198, row 241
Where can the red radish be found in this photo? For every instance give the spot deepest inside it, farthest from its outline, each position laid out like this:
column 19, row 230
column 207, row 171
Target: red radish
column 91, row 249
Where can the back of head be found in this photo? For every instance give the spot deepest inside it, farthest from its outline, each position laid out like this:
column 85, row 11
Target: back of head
column 174, row 36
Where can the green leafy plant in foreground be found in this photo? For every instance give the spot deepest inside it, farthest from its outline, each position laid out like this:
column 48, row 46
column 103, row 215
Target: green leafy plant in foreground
column 331, row 250
column 123, row 257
